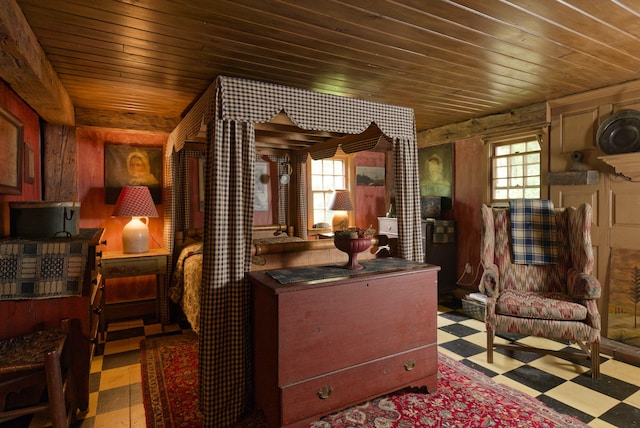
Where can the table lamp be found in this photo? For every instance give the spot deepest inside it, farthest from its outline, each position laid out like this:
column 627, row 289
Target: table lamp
column 135, row 202
column 340, row 203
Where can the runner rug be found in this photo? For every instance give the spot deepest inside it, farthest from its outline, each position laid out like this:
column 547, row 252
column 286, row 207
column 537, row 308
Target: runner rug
column 465, row 397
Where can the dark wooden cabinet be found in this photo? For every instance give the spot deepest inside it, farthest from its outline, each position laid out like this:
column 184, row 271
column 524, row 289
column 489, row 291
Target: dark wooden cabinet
column 18, row 317
column 440, row 249
column 325, row 345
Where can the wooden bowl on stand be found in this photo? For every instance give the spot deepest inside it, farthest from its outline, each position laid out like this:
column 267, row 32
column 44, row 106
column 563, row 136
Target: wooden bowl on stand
column 353, row 247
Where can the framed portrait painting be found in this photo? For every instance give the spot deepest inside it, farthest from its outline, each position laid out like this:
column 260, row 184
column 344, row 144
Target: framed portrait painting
column 436, row 173
column 10, row 153
column 129, row 165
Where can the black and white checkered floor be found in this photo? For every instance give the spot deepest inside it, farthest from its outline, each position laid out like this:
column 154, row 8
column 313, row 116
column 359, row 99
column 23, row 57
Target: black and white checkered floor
column 611, row 401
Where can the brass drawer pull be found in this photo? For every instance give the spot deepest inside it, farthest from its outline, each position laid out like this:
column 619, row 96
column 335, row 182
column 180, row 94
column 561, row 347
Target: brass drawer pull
column 325, row 392
column 409, row 365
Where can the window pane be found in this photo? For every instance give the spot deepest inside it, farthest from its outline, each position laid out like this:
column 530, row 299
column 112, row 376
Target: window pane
column 500, row 194
column 316, row 182
column 533, row 158
column 533, row 181
column 533, row 169
column 338, row 168
column 519, row 148
column 532, row 193
column 516, row 170
column 516, row 194
column 503, row 150
column 327, row 167
column 516, row 182
column 502, row 172
column 319, row 200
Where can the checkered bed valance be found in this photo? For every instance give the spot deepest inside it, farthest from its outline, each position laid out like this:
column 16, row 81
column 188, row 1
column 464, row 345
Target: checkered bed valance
column 41, row 269
column 533, row 232
column 254, row 101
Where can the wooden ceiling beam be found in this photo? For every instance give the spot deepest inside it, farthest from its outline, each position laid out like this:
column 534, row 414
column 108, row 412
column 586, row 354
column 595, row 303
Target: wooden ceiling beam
column 125, row 120
column 25, row 67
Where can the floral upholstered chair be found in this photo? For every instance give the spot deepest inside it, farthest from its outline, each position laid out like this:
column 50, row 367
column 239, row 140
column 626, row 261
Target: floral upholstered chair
column 552, row 296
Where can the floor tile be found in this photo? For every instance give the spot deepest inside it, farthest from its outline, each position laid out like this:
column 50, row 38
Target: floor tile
column 581, row 398
column 559, row 367
column 562, row 407
column 610, row 386
column 504, row 380
column 536, row 379
column 459, row 330
column 121, row 359
column 622, row 415
column 462, row 347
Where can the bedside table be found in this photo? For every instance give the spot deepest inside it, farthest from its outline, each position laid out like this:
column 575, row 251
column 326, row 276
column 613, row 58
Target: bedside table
column 116, row 264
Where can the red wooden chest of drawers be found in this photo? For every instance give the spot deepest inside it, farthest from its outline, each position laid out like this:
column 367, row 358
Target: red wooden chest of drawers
column 322, row 346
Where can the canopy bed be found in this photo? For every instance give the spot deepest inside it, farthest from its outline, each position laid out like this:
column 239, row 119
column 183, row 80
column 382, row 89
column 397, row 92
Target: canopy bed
column 232, row 110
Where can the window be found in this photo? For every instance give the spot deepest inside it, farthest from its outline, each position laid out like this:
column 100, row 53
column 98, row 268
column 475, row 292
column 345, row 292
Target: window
column 516, row 170
column 326, row 175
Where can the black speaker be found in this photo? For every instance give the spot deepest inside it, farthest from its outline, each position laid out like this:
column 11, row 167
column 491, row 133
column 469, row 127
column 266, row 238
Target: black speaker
column 620, row 133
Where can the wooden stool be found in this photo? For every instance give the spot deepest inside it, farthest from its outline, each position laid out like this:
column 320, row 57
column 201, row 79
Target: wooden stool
column 30, row 364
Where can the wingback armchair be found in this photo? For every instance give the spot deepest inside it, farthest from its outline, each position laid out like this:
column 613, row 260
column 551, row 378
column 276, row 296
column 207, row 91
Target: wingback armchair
column 556, row 300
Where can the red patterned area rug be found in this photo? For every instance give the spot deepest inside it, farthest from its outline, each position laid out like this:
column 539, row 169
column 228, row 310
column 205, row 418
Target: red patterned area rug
column 465, row 397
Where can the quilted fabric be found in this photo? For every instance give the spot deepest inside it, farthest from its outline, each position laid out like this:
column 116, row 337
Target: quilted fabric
column 551, row 306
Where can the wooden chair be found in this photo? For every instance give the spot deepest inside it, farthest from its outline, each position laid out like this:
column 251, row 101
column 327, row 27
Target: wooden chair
column 555, row 300
column 35, row 363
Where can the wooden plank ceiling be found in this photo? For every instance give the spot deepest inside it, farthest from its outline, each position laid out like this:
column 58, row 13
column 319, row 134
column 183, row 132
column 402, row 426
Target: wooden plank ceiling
column 448, row 60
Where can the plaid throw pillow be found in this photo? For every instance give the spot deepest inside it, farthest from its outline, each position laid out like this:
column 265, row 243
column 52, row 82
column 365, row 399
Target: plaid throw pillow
column 533, row 232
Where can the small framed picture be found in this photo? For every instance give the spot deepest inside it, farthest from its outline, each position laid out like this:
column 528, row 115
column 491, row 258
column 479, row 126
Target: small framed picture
column 369, row 176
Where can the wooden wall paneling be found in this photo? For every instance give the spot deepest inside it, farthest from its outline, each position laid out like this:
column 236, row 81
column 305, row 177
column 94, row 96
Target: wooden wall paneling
column 625, row 222
column 60, row 164
column 575, row 131
column 470, row 188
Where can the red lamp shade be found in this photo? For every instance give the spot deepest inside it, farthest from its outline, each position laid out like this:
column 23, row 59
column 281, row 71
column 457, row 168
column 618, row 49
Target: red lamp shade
column 135, row 202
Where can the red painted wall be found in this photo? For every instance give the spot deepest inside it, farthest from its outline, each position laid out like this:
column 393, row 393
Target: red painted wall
column 94, row 212
column 369, row 200
column 469, row 186
column 11, row 103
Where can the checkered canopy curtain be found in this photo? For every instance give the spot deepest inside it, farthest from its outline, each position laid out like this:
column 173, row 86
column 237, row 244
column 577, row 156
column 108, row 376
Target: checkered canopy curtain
column 234, row 107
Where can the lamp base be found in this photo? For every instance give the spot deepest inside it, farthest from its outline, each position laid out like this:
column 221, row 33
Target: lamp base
column 135, row 236
column 340, row 220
